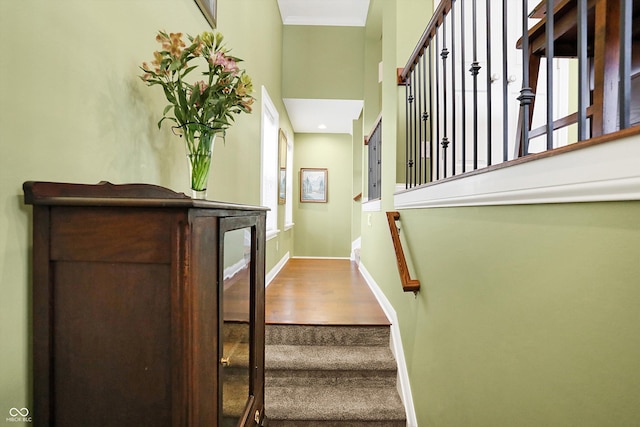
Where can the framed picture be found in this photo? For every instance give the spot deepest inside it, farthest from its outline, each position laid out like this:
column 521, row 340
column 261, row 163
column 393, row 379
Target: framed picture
column 282, row 162
column 313, row 185
column 209, row 10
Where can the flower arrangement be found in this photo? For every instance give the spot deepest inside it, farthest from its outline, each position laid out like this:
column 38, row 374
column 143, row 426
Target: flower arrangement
column 203, row 108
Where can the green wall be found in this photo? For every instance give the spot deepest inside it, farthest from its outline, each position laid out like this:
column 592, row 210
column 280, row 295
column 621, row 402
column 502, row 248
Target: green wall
column 324, row 229
column 527, row 315
column 323, row 62
column 72, row 109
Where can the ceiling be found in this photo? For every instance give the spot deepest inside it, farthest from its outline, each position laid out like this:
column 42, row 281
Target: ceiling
column 323, row 115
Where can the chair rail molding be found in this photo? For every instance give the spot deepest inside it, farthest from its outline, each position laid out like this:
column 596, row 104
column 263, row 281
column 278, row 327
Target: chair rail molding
column 598, row 173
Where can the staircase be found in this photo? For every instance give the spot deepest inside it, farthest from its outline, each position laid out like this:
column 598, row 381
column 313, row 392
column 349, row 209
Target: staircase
column 331, row 376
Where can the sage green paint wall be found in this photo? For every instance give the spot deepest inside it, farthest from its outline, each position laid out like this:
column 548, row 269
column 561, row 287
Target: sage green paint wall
column 324, row 229
column 72, row 109
column 356, row 178
column 323, row 62
column 527, row 314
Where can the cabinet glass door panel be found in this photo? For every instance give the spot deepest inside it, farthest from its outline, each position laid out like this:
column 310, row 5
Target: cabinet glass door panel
column 236, row 332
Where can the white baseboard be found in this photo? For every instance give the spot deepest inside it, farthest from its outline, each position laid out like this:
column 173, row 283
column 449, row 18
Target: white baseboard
column 234, row 269
column 404, row 387
column 321, row 257
column 276, row 269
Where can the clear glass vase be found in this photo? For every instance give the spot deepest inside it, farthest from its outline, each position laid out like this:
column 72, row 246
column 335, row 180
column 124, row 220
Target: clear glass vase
column 199, row 146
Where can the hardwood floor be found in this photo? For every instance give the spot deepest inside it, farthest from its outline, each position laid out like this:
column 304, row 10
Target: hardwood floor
column 322, row 292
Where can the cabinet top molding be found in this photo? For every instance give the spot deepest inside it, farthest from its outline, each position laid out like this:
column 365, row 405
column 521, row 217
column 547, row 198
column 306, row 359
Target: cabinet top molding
column 108, row 194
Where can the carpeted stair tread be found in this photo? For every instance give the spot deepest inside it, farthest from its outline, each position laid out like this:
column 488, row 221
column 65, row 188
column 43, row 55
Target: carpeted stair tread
column 337, row 358
column 327, row 335
column 331, row 376
column 355, row 404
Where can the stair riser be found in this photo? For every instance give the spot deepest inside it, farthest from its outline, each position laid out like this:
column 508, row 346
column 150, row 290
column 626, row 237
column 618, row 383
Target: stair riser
column 322, row 423
column 327, row 335
column 333, row 378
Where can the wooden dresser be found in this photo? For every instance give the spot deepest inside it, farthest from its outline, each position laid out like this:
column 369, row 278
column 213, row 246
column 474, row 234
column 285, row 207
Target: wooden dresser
column 148, row 307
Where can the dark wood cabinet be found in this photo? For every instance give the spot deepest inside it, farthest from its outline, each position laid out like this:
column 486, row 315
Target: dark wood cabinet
column 148, row 307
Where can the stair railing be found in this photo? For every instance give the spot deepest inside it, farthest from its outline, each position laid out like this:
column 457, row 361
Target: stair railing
column 469, row 104
column 408, row 284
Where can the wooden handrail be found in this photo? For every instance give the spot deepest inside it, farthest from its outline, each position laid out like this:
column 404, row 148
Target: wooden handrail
column 436, row 20
column 408, row 284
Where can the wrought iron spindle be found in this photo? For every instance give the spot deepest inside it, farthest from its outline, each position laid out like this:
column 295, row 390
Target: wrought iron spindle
column 526, row 94
column 463, row 78
column 430, row 115
column 475, row 69
column 488, row 79
column 424, row 117
column 437, row 85
column 444, row 54
column 407, row 172
column 453, row 88
column 505, row 84
column 549, row 48
column 416, row 103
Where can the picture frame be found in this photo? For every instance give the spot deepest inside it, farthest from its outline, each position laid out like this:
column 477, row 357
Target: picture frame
column 313, row 185
column 209, row 9
column 282, row 162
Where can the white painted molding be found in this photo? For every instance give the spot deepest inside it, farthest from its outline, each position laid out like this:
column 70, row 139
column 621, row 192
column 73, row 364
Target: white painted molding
column 276, row 269
column 600, row 173
column 404, row 387
column 321, row 257
column 234, row 269
column 371, row 206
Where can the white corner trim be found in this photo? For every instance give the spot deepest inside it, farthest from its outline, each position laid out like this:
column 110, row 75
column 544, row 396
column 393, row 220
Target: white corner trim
column 276, row 269
column 372, row 206
column 288, row 226
column 404, row 387
column 602, row 172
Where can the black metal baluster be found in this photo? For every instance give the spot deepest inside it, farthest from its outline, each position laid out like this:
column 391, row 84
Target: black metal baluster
column 412, row 120
column 407, row 173
column 437, row 141
column 626, row 13
column 489, row 82
column 431, row 171
column 425, row 116
column 526, row 94
column 419, row 102
column 453, row 88
column 549, row 34
column 444, row 54
column 414, row 127
column 463, row 88
column 505, row 82
column 475, row 69
column 583, row 76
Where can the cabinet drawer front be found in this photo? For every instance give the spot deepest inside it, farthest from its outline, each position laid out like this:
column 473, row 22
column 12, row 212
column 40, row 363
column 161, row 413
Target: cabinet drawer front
column 107, row 234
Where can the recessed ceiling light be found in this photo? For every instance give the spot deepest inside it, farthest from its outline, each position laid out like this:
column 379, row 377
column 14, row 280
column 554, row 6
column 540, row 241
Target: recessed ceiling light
column 322, row 126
